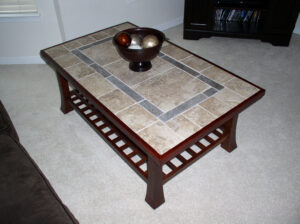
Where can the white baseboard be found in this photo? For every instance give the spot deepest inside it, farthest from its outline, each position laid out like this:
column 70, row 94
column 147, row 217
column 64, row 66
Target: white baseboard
column 169, row 24
column 21, row 60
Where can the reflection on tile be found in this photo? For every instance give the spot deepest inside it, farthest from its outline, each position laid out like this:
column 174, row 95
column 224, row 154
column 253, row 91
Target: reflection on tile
column 103, row 53
column 183, row 126
column 72, row 45
column 79, row 70
column 96, row 85
column 229, row 97
column 121, row 70
column 116, row 101
column 124, row 26
column 241, row 87
column 67, row 60
column 86, row 40
column 215, row 106
column 99, row 35
column 217, row 74
column 165, row 43
column 57, row 51
column 160, row 137
column 170, row 89
column 111, row 31
column 175, row 52
column 95, row 43
column 136, row 117
column 196, row 63
column 199, row 116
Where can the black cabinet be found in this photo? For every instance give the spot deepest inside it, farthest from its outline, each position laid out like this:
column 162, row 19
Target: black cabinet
column 268, row 20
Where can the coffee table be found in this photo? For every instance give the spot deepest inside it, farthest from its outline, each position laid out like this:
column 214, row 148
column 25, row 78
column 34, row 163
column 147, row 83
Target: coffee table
column 159, row 121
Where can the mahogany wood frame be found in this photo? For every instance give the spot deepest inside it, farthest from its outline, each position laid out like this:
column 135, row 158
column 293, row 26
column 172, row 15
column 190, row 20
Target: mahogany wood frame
column 102, row 119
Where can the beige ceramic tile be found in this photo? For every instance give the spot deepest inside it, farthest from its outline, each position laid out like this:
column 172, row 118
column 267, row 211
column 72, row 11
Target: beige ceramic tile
column 111, row 31
column 72, row 45
column 99, row 35
column 102, row 53
column 136, row 117
column 67, row 60
column 160, row 137
column 116, row 101
column 160, row 65
column 183, row 126
column 217, row 74
column 96, row 85
column 80, row 70
column 86, row 40
column 241, row 87
column 196, row 63
column 165, row 43
column 199, row 116
column 215, row 106
column 229, row 97
column 175, row 52
column 124, row 26
column 57, row 51
column 171, row 88
column 121, row 70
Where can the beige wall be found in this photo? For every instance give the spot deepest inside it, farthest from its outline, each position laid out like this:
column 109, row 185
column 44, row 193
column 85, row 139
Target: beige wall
column 297, row 27
column 22, row 39
column 81, row 17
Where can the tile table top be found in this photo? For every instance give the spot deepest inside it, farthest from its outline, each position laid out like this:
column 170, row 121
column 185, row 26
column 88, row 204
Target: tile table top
column 179, row 96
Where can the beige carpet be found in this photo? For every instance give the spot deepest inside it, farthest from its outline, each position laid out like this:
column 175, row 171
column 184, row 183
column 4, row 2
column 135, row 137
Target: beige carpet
column 257, row 183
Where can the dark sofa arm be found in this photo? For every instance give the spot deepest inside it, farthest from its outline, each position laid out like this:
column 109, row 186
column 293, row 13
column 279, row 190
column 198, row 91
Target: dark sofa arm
column 6, row 125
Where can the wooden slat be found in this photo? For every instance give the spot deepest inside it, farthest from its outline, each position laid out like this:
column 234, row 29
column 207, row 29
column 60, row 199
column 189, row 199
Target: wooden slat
column 200, row 145
column 209, row 139
column 141, row 162
column 132, row 154
column 217, row 133
column 119, row 138
column 110, row 132
column 191, row 152
column 181, row 158
column 171, row 165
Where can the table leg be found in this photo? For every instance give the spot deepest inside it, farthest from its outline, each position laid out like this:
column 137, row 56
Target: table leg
column 229, row 144
column 155, row 193
column 64, row 93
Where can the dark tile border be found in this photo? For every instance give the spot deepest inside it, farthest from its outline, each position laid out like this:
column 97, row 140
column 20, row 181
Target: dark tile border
column 134, row 95
column 95, row 43
column 163, row 116
column 151, row 108
column 183, row 107
column 81, row 56
column 100, row 70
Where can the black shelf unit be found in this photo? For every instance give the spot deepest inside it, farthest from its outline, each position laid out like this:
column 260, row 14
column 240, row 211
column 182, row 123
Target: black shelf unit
column 269, row 20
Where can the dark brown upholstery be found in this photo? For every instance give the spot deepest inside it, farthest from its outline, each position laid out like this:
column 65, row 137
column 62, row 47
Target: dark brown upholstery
column 25, row 194
column 6, row 126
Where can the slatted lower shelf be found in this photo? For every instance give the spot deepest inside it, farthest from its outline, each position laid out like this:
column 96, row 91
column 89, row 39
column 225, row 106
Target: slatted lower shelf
column 129, row 152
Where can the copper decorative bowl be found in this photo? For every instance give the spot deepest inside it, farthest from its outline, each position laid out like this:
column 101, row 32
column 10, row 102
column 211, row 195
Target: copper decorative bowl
column 140, row 59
